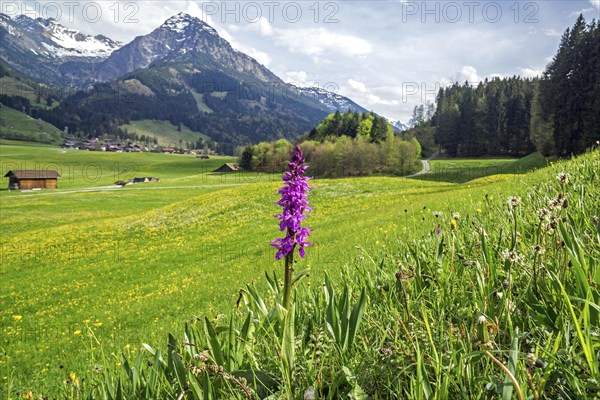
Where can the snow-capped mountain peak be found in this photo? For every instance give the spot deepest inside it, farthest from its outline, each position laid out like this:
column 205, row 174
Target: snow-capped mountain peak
column 47, row 36
column 332, row 101
column 179, row 23
column 401, row 126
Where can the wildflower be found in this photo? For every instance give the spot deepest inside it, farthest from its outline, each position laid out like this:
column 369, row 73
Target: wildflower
column 77, row 332
column 456, row 216
column 453, row 224
column 74, row 379
column 537, row 249
column 513, row 202
column 17, row 317
column 512, row 256
column 28, row 395
column 481, row 320
column 385, row 351
column 563, row 178
column 531, row 360
column 438, row 230
column 543, row 214
column 294, row 203
column 479, row 210
column 293, row 200
column 499, row 295
column 437, row 214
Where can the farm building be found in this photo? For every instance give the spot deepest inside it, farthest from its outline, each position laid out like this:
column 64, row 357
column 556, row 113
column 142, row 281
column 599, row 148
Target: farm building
column 28, row 179
column 228, row 167
column 145, row 179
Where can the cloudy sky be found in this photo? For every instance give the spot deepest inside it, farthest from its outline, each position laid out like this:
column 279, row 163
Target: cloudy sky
column 387, row 56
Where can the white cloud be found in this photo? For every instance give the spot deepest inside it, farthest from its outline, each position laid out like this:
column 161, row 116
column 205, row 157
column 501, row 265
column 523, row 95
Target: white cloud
column 469, row 74
column 319, row 41
column 595, row 3
column 582, row 11
column 552, row 33
column 357, row 86
column 264, row 27
column 530, row 72
column 258, row 55
column 296, row 77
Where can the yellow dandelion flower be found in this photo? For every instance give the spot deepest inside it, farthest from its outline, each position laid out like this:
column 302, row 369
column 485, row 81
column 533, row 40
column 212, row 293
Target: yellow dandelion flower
column 17, row 317
column 74, row 379
column 86, row 321
column 453, row 224
column 77, row 332
column 97, row 324
column 28, row 395
column 479, row 210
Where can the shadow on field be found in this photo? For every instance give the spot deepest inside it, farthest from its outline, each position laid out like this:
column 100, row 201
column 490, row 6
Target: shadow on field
column 466, row 170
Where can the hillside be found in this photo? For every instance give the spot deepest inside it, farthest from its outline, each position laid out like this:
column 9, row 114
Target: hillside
column 182, row 73
column 166, row 133
column 195, row 253
column 20, row 126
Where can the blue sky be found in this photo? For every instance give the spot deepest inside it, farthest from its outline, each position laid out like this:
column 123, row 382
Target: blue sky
column 387, row 56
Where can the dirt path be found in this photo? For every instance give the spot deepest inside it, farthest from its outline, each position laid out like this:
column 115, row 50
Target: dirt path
column 426, row 166
column 114, row 188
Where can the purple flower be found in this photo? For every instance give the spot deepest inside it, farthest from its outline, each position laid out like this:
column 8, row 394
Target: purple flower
column 293, row 200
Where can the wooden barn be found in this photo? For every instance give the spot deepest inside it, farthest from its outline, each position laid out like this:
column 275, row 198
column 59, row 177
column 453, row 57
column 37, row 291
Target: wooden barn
column 28, row 179
column 228, row 167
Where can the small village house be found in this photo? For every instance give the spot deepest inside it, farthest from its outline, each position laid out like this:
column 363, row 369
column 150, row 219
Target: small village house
column 228, row 167
column 29, row 179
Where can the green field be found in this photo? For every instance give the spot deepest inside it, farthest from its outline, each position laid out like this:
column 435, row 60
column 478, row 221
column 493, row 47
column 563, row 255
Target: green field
column 90, row 275
column 12, row 86
column 459, row 170
column 18, row 125
column 166, row 133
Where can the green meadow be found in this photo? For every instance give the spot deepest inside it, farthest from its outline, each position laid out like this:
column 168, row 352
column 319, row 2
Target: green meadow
column 166, row 133
column 90, row 272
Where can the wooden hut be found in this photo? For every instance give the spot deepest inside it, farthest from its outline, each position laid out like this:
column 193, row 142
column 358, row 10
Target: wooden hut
column 28, row 179
column 228, row 167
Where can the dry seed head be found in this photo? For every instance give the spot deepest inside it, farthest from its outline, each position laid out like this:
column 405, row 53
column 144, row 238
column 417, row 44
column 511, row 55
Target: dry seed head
column 512, row 256
column 563, row 178
column 513, row 202
column 543, row 214
column 537, row 249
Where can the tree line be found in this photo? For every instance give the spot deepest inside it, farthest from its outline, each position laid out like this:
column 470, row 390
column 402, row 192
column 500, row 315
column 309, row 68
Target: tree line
column 343, row 144
column 566, row 109
column 491, row 118
column 557, row 114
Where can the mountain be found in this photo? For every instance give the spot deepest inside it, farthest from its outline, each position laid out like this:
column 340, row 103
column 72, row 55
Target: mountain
column 401, row 126
column 332, row 101
column 182, row 39
column 39, row 47
column 182, row 72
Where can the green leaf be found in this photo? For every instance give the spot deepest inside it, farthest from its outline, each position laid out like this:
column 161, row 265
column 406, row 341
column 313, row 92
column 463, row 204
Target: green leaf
column 213, row 343
column 288, row 344
column 356, row 317
column 513, row 354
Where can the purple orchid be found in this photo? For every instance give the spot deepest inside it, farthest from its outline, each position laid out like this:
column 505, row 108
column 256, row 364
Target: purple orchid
column 293, row 200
